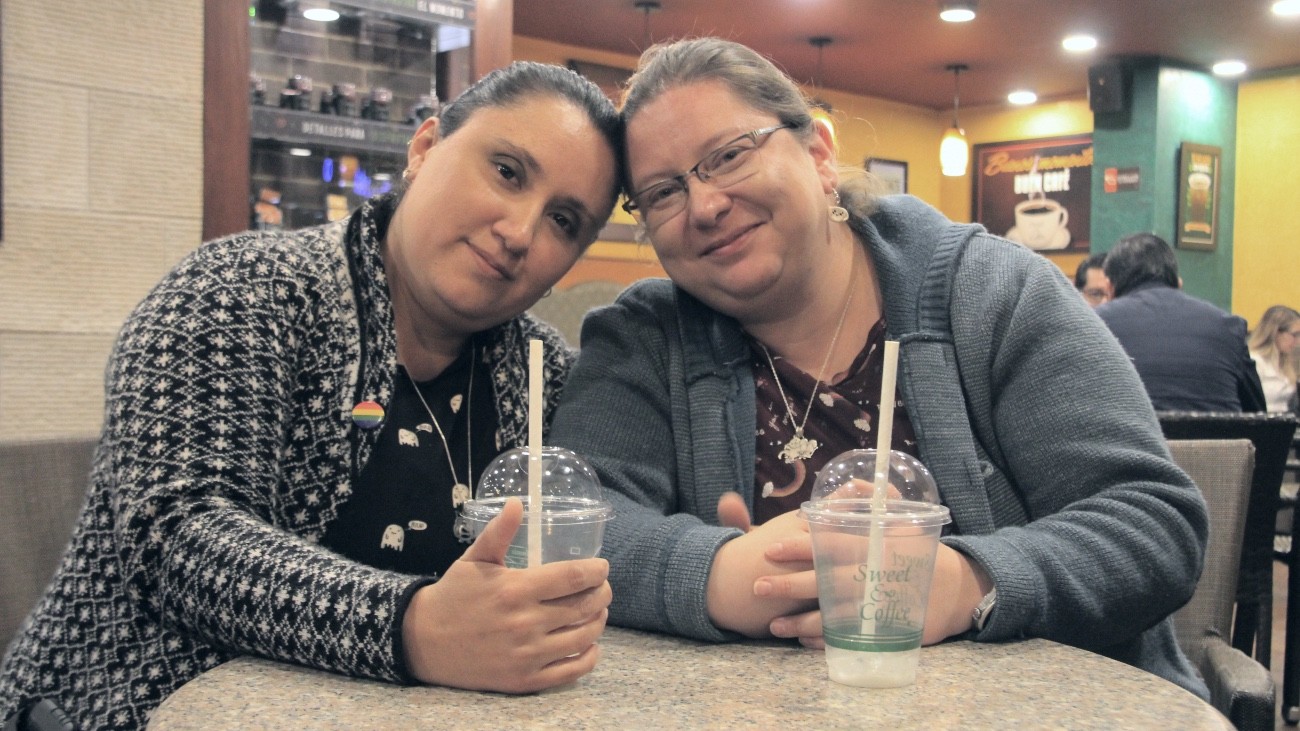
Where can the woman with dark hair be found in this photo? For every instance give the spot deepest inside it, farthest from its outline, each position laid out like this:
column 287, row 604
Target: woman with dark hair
column 708, row 404
column 294, row 419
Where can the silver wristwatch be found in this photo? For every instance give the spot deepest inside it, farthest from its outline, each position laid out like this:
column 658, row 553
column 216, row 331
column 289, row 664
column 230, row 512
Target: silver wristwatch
column 980, row 616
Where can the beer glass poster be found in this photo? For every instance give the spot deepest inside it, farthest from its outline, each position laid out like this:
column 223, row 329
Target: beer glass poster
column 1035, row 192
column 1198, row 195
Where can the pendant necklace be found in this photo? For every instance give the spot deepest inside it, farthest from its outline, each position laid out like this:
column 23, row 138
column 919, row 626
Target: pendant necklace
column 460, row 492
column 800, row 447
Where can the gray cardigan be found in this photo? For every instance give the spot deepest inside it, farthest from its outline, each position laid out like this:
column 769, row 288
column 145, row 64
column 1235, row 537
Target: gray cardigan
column 1026, row 410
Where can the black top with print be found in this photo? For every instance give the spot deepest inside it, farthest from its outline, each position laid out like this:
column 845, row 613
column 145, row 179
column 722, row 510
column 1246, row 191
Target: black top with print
column 402, row 517
column 843, row 418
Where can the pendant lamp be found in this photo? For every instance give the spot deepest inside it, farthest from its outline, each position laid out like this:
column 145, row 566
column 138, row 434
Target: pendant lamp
column 821, row 109
column 646, row 7
column 954, row 151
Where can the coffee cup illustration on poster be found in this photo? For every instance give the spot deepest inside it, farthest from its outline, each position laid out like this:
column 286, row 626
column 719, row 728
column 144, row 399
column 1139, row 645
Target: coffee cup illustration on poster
column 1035, row 192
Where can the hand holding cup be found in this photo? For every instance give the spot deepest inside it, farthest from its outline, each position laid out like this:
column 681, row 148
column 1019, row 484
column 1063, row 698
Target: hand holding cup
column 484, row 626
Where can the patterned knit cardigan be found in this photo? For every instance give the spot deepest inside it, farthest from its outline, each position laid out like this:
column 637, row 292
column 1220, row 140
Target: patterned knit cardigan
column 228, row 447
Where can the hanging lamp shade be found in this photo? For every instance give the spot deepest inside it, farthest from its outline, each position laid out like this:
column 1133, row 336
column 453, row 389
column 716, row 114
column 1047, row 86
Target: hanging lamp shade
column 954, row 150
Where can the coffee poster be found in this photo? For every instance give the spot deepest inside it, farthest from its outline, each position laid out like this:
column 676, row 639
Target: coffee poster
column 1035, row 192
column 1198, row 195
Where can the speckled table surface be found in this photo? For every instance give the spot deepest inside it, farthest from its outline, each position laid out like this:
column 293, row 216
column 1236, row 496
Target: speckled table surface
column 649, row 681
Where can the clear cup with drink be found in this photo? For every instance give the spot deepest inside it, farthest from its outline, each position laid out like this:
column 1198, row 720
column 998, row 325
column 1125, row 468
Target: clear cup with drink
column 572, row 515
column 874, row 542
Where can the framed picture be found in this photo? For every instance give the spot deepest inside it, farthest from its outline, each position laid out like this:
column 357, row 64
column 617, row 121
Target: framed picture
column 892, row 174
column 1035, row 192
column 1198, row 196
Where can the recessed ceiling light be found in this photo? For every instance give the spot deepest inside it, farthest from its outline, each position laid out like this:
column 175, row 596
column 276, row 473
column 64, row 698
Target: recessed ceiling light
column 1022, row 97
column 957, row 11
column 1286, row 7
column 299, row 152
column 1079, row 43
column 320, row 13
column 1229, row 68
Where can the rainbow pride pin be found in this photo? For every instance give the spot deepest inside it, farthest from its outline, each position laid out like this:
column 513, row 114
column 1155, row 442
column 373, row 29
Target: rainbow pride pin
column 368, row 415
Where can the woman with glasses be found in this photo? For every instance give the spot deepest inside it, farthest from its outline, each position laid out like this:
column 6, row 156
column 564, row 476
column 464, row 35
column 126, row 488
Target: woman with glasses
column 708, row 403
column 1272, row 346
column 294, row 420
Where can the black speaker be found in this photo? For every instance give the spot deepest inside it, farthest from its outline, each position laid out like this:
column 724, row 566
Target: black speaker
column 1106, row 88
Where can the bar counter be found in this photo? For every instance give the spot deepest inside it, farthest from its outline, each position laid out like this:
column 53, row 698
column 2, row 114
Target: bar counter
column 654, row 681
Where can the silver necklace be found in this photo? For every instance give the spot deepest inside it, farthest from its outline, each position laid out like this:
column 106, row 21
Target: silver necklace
column 460, row 491
column 800, row 447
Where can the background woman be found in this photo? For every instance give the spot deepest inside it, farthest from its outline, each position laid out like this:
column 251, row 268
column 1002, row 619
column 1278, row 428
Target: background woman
column 1272, row 346
column 761, row 361
column 293, row 420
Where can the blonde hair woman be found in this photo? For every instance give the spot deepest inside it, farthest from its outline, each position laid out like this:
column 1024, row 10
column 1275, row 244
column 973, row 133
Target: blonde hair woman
column 1272, row 344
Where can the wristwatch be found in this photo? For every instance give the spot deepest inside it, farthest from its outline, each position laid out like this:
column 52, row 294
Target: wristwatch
column 980, row 616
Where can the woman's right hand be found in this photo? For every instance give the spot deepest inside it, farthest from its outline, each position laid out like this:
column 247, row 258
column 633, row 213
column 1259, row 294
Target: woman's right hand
column 487, row 627
column 741, row 563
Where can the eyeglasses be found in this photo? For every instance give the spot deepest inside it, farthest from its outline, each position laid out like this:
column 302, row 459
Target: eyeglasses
column 725, row 166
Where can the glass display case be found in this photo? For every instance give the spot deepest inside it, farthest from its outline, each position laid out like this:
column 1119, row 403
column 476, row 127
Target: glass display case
column 335, row 91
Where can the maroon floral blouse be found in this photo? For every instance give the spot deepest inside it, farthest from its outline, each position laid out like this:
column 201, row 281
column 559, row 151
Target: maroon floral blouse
column 843, row 418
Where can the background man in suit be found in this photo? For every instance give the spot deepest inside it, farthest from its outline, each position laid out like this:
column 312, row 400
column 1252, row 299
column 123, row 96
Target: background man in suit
column 1190, row 354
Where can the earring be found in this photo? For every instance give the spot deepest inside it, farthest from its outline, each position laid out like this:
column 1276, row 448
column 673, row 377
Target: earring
column 838, row 213
column 406, row 175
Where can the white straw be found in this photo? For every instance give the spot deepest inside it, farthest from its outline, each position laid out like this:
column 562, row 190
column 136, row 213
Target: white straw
column 534, row 453
column 884, row 437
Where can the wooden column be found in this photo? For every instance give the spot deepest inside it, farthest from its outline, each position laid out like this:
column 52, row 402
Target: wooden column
column 226, row 145
column 494, row 29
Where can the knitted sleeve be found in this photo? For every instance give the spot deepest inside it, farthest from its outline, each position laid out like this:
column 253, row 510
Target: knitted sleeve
column 1116, row 532
column 220, row 425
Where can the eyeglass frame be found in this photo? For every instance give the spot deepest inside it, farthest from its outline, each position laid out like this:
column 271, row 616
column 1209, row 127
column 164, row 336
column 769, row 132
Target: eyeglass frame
column 759, row 136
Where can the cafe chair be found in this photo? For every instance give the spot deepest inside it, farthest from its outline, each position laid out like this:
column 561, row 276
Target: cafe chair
column 565, row 308
column 1271, row 433
column 1240, row 687
column 42, row 487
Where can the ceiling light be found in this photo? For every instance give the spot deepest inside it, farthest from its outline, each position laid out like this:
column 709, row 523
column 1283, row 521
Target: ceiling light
column 957, row 11
column 1229, row 68
column 299, row 152
column 1286, row 7
column 1079, row 43
column 319, row 12
column 1022, row 97
column 954, row 152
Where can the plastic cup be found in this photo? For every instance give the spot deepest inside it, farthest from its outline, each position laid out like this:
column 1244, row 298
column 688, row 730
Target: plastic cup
column 873, row 607
column 573, row 514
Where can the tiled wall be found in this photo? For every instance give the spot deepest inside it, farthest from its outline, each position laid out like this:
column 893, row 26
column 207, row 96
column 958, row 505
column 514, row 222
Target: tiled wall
column 102, row 191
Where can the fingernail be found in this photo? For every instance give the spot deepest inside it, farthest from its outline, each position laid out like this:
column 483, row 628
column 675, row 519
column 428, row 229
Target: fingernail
column 779, row 628
column 762, row 587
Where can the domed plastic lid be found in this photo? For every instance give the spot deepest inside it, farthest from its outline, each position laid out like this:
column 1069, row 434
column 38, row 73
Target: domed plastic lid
column 571, row 492
column 852, row 475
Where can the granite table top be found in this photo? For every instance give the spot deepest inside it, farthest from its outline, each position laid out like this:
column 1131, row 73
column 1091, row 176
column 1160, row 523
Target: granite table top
column 648, row 680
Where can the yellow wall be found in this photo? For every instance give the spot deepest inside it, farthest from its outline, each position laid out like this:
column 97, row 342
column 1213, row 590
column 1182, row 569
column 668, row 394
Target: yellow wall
column 1264, row 271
